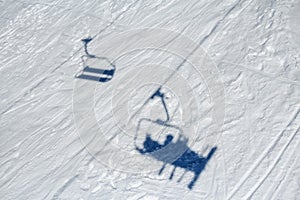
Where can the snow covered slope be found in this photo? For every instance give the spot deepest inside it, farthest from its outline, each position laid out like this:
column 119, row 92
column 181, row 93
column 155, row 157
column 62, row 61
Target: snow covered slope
column 230, row 95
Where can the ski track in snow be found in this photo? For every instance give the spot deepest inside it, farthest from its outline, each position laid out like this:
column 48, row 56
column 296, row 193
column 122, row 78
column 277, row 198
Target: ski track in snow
column 263, row 155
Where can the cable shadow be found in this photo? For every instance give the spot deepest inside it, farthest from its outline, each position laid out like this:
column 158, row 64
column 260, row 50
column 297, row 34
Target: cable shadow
column 92, row 73
column 189, row 160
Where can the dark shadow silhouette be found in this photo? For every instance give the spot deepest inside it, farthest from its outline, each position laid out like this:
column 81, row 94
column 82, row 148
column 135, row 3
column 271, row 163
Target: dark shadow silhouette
column 85, row 42
column 189, row 160
column 101, row 75
column 152, row 145
column 161, row 95
column 181, row 155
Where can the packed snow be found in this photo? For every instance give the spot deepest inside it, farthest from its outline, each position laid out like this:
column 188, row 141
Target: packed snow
column 150, row 100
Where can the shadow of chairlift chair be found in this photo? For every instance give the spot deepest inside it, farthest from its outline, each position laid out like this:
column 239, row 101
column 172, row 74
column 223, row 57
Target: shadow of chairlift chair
column 182, row 155
column 151, row 148
column 95, row 74
column 186, row 159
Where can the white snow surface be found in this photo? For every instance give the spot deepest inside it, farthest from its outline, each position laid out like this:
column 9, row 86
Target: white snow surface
column 253, row 44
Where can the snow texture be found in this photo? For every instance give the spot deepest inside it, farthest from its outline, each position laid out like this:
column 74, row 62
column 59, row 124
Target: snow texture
column 150, row 100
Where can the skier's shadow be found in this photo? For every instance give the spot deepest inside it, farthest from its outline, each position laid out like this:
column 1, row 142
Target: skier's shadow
column 93, row 73
column 189, row 160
